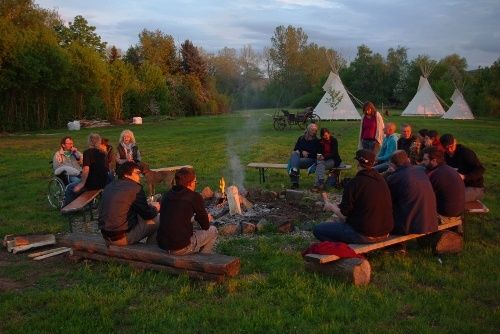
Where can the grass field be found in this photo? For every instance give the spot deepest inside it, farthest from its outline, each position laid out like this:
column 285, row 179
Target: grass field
column 273, row 294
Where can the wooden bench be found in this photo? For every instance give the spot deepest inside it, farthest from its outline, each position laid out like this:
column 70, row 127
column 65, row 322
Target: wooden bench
column 171, row 169
column 214, row 267
column 264, row 166
column 476, row 207
column 358, row 270
column 81, row 204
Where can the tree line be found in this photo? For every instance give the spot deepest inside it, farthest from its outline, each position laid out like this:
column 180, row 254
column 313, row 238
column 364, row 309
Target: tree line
column 52, row 72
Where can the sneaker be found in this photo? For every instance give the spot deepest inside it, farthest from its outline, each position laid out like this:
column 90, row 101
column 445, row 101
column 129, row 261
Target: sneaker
column 295, row 186
column 294, row 172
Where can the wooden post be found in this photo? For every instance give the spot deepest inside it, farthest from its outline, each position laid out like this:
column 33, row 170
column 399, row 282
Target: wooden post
column 448, row 242
column 352, row 270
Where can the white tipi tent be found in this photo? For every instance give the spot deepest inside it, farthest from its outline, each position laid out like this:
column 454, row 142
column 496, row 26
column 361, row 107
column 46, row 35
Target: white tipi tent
column 425, row 101
column 345, row 110
column 459, row 109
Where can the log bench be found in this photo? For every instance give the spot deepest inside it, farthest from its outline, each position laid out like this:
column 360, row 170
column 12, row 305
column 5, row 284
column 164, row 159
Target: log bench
column 358, row 270
column 213, row 267
column 264, row 166
column 81, row 205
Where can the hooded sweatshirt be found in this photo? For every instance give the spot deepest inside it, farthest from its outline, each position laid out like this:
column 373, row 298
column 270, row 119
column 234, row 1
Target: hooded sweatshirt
column 367, row 205
column 178, row 206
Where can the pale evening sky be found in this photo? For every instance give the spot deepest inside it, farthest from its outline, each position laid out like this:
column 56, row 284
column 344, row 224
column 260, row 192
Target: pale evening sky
column 433, row 27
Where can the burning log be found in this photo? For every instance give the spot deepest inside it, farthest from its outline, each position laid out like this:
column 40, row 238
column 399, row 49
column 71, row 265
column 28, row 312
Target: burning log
column 233, row 199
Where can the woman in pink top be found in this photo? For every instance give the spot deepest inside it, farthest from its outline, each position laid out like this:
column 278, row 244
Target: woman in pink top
column 371, row 132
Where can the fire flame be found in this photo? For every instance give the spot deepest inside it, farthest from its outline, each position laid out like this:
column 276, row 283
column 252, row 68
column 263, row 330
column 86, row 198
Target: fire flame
column 222, row 185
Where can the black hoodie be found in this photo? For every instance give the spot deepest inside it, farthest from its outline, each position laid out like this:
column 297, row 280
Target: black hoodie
column 178, row 206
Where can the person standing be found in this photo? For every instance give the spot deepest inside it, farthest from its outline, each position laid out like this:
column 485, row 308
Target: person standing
column 125, row 217
column 371, row 131
column 465, row 161
column 365, row 212
column 447, row 185
column 304, row 154
column 179, row 206
column 413, row 199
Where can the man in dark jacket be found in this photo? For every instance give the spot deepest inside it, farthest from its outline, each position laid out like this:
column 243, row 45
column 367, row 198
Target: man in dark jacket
column 125, row 217
column 413, row 199
column 447, row 184
column 179, row 206
column 468, row 166
column 407, row 138
column 365, row 213
column 304, row 154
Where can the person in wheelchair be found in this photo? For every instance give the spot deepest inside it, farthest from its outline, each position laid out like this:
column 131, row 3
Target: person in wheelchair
column 67, row 161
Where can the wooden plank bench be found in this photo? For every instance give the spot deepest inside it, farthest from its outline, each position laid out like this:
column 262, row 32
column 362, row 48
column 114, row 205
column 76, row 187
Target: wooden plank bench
column 82, row 204
column 264, row 166
column 476, row 207
column 170, row 169
column 214, row 267
column 358, row 270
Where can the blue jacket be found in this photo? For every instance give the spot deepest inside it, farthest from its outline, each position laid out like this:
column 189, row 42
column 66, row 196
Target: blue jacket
column 389, row 146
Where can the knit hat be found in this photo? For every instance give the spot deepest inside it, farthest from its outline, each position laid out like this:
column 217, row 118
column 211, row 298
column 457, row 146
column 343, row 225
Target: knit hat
column 366, row 158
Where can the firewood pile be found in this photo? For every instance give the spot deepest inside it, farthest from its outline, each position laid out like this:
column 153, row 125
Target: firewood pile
column 93, row 123
column 22, row 243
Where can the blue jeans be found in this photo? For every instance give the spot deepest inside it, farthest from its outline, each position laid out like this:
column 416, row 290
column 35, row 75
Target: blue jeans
column 70, row 195
column 299, row 163
column 381, row 167
column 338, row 230
column 321, row 167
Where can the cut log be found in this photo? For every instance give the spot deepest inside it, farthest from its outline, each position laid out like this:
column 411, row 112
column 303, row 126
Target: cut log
column 11, row 241
column 448, row 242
column 351, row 270
column 151, row 266
column 209, row 263
column 233, row 200
column 54, row 253
column 246, row 203
column 23, row 248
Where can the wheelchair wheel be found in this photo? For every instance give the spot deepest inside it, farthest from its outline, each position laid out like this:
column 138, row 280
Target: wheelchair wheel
column 55, row 192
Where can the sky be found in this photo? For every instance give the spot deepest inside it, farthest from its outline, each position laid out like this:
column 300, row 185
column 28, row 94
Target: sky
column 437, row 28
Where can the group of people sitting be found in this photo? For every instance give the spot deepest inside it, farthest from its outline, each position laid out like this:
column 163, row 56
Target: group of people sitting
column 96, row 166
column 125, row 215
column 412, row 184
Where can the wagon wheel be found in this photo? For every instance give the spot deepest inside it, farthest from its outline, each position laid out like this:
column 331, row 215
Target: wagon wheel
column 279, row 124
column 313, row 118
column 55, row 192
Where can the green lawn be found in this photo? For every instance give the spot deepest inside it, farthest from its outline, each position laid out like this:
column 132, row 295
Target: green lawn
column 273, row 293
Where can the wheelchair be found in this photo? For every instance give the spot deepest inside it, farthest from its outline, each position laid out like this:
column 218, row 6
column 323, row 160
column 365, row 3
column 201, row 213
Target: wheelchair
column 56, row 188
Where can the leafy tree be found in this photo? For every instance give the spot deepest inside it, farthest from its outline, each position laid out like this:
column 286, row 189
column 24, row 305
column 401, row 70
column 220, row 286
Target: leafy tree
column 113, row 54
column 159, row 49
column 81, row 32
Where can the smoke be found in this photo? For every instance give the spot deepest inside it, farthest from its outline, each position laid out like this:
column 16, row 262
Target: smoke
column 238, row 144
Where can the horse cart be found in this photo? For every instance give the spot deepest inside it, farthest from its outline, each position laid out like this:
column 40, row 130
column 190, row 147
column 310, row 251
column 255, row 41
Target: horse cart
column 283, row 119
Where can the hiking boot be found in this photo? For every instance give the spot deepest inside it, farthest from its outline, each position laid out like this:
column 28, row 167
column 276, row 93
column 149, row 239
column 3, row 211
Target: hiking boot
column 294, row 172
column 295, row 186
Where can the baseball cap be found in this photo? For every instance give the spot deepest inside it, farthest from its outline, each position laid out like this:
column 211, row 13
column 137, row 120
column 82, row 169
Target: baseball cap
column 365, row 157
